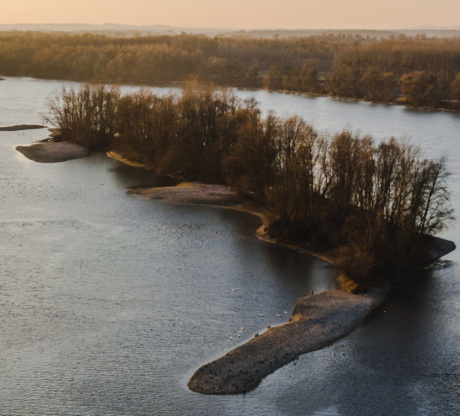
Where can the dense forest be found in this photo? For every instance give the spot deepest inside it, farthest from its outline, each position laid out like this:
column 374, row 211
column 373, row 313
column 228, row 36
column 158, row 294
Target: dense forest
column 417, row 70
column 374, row 204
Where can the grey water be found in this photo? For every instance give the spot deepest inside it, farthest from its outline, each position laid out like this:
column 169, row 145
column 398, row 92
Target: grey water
column 110, row 302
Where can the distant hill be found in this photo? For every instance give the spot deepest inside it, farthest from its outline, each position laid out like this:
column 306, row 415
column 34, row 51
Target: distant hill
column 434, row 27
column 113, row 29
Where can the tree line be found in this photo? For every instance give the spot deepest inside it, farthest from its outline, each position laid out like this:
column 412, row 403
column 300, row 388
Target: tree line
column 157, row 59
column 374, row 204
column 414, row 70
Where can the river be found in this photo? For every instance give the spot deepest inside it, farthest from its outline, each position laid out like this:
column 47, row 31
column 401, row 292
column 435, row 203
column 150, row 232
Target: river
column 110, row 302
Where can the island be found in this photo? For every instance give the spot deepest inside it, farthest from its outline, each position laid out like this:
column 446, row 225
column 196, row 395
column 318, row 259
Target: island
column 372, row 210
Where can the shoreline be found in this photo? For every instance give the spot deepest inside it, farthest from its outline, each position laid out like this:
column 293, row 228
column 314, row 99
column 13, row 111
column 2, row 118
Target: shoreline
column 317, row 320
column 363, row 99
column 117, row 156
column 221, row 196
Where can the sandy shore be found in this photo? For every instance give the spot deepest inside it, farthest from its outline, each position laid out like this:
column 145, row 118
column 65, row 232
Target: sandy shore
column 20, row 127
column 318, row 320
column 53, row 152
column 121, row 158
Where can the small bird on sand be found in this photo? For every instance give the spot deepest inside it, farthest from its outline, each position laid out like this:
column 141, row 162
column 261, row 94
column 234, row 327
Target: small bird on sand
column 242, row 327
column 231, row 338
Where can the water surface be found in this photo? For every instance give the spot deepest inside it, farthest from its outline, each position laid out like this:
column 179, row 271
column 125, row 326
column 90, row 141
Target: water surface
column 109, row 302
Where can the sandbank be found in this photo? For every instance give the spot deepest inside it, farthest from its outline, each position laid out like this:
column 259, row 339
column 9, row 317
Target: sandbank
column 317, row 321
column 53, row 152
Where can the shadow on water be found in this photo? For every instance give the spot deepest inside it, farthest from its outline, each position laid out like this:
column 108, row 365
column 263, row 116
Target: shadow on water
column 128, row 177
column 134, row 178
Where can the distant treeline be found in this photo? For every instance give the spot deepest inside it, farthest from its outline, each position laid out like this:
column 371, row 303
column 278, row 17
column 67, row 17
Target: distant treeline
column 373, row 203
column 426, row 71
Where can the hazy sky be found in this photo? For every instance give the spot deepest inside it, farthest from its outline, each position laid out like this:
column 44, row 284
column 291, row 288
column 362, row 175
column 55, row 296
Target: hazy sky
column 290, row 14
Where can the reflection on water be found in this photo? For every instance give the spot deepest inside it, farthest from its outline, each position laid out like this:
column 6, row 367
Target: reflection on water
column 110, row 302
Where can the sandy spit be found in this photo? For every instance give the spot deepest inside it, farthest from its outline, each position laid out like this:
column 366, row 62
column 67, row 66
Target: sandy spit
column 318, row 321
column 53, row 152
column 20, row 127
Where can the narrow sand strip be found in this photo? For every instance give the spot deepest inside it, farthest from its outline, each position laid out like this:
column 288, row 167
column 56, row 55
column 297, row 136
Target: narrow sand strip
column 318, row 320
column 125, row 160
column 20, row 127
